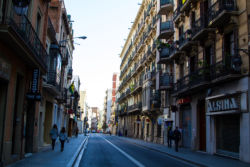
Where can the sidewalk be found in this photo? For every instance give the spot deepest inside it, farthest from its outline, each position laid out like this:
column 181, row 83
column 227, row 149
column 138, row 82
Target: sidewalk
column 197, row 158
column 50, row 158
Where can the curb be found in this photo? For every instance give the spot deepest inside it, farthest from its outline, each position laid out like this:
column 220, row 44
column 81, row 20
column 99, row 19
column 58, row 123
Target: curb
column 170, row 155
column 75, row 156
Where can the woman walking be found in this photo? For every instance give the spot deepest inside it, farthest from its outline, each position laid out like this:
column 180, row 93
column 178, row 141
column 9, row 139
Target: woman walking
column 63, row 137
column 53, row 135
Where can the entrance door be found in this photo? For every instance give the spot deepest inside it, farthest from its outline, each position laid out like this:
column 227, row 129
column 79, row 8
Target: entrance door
column 16, row 122
column 3, row 95
column 47, row 121
column 186, row 126
column 202, row 124
column 228, row 135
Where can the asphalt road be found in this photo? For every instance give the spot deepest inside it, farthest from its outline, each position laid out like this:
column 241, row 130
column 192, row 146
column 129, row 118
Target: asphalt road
column 109, row 151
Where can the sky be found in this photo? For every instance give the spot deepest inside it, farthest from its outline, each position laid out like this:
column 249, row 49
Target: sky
column 106, row 24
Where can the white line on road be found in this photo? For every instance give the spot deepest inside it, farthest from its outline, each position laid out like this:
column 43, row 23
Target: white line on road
column 77, row 163
column 137, row 163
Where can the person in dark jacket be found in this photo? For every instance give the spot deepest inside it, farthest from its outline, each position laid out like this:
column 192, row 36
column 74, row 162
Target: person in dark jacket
column 63, row 137
column 177, row 138
column 170, row 136
column 53, row 135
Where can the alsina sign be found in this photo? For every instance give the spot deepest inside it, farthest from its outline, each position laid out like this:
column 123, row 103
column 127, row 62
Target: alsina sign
column 224, row 103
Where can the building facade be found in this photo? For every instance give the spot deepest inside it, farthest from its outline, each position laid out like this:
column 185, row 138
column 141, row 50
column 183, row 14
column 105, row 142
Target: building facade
column 34, row 75
column 189, row 68
column 23, row 61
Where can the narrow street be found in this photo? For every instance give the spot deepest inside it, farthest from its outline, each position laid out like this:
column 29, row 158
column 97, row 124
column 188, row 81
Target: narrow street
column 103, row 150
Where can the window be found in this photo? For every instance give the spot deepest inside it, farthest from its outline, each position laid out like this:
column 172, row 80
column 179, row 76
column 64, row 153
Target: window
column 229, row 46
column 209, row 55
column 181, row 70
column 38, row 24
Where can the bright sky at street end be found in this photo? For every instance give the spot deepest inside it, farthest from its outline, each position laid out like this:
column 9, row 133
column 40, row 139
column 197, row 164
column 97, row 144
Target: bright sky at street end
column 105, row 23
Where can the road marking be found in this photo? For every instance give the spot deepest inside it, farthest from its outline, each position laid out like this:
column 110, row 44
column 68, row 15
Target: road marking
column 137, row 163
column 79, row 158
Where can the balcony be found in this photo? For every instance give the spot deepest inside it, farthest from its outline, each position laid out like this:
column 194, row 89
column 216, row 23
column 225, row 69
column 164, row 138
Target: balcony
column 166, row 30
column 220, row 72
column 166, row 81
column 142, row 43
column 62, row 97
column 200, row 29
column 70, row 73
column 177, row 15
column 220, row 12
column 51, row 30
column 165, row 6
column 135, row 107
column 175, row 52
column 164, row 55
column 186, row 5
column 185, row 40
column 18, row 33
column 195, row 80
column 137, row 87
column 226, row 71
column 65, row 59
column 149, row 53
column 52, row 82
column 155, row 101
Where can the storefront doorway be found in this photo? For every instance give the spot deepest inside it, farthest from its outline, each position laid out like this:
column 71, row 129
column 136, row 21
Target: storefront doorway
column 3, row 95
column 202, row 124
column 186, row 125
column 228, row 135
column 47, row 122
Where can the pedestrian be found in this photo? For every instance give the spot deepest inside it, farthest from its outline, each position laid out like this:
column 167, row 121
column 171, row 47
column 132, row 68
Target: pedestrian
column 177, row 137
column 76, row 131
column 53, row 135
column 63, row 137
column 170, row 136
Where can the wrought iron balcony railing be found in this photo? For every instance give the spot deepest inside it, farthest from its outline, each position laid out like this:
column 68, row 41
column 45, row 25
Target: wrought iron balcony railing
column 220, row 71
column 219, row 6
column 53, row 78
column 166, row 80
column 23, row 27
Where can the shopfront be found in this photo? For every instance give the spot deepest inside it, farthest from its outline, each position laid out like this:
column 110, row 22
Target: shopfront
column 185, row 121
column 224, row 112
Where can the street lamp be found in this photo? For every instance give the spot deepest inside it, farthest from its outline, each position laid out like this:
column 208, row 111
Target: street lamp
column 81, row 37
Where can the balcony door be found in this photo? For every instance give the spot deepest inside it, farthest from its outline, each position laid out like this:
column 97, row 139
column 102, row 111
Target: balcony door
column 229, row 46
column 209, row 57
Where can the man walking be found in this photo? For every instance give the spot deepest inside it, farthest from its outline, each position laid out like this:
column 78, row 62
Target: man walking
column 177, row 137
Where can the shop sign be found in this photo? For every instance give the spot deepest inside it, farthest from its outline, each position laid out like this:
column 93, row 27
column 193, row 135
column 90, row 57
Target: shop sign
column 223, row 104
column 34, row 92
column 4, row 70
column 35, row 80
column 34, row 96
column 184, row 100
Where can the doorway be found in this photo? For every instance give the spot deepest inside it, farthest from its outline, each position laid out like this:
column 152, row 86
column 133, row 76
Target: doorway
column 3, row 96
column 186, row 125
column 16, row 119
column 47, row 121
column 202, row 124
